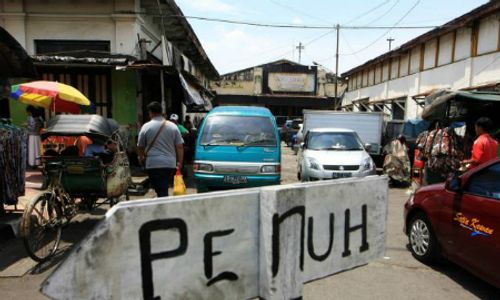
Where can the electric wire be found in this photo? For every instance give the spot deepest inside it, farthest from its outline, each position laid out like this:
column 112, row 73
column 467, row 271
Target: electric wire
column 367, row 12
column 290, row 26
column 384, row 34
column 384, row 14
column 300, row 12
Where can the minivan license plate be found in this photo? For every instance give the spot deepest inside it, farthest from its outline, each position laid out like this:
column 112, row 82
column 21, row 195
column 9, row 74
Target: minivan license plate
column 235, row 179
column 341, row 175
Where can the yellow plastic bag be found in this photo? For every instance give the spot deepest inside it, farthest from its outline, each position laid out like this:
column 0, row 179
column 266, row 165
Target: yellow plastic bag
column 179, row 186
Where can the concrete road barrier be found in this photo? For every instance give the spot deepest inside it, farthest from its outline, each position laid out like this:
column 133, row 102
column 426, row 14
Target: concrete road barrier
column 228, row 245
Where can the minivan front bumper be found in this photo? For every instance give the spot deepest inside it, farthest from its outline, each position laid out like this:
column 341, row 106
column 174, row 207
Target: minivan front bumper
column 206, row 182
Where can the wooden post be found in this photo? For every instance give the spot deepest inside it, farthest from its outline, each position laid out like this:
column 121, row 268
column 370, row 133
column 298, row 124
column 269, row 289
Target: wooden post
column 422, row 56
column 474, row 39
column 453, row 45
column 409, row 61
column 436, row 58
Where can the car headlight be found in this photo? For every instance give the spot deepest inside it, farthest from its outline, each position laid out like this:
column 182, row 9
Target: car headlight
column 367, row 164
column 204, row 168
column 270, row 169
column 313, row 164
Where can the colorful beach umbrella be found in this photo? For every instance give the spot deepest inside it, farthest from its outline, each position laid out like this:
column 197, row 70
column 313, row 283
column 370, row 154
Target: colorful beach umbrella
column 51, row 95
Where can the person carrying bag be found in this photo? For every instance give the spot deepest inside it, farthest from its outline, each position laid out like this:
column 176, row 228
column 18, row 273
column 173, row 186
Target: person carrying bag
column 160, row 149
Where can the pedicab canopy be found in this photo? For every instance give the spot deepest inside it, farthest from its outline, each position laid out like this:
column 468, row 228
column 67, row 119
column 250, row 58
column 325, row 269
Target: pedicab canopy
column 462, row 105
column 95, row 127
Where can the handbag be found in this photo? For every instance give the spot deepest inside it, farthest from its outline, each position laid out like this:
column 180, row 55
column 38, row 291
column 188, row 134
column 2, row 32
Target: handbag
column 179, row 186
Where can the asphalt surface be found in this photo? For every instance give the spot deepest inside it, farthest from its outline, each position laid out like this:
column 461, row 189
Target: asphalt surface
column 396, row 276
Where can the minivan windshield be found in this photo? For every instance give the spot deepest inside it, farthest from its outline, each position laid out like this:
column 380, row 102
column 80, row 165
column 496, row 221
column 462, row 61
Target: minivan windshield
column 341, row 141
column 238, row 131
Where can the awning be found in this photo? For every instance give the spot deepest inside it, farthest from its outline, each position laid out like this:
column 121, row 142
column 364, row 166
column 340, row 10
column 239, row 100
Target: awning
column 14, row 61
column 437, row 109
column 195, row 98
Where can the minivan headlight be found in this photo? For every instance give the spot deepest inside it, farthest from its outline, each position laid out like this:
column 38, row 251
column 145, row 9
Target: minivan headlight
column 270, row 169
column 206, row 168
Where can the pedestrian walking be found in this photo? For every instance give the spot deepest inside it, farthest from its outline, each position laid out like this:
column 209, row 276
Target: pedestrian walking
column 175, row 119
column 485, row 147
column 187, row 123
column 34, row 125
column 160, row 148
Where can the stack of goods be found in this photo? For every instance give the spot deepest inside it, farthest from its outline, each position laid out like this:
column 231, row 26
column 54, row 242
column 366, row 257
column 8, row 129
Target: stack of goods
column 442, row 149
column 13, row 142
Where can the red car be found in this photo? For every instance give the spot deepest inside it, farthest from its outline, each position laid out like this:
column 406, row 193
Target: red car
column 460, row 220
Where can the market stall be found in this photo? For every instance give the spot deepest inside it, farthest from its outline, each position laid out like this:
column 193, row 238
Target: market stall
column 450, row 137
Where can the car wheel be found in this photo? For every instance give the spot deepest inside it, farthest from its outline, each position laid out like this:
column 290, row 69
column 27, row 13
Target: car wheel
column 423, row 243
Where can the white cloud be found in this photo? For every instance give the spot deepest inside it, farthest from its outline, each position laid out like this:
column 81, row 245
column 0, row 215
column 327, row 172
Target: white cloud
column 218, row 6
column 297, row 21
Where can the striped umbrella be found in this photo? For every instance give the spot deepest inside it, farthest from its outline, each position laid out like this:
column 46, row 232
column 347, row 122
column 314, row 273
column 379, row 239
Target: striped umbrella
column 52, row 95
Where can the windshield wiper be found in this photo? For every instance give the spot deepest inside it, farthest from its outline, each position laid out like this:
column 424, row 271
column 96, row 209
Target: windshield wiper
column 255, row 142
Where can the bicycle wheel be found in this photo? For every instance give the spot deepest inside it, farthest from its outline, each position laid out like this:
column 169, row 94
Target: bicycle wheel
column 41, row 226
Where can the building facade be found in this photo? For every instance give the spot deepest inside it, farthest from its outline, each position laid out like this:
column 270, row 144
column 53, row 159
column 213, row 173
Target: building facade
column 121, row 54
column 283, row 86
column 461, row 54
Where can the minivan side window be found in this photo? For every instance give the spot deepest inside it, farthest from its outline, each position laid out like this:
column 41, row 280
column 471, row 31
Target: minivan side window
column 486, row 183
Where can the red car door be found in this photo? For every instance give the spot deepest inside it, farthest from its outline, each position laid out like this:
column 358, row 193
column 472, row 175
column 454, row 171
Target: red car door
column 472, row 235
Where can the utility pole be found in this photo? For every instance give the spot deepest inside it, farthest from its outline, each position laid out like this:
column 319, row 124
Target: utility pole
column 390, row 40
column 300, row 48
column 337, row 67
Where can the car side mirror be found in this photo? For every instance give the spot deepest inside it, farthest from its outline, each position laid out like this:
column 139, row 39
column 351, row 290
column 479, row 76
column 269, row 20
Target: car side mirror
column 368, row 147
column 454, row 184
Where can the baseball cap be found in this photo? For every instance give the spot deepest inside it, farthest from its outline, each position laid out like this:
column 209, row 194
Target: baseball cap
column 174, row 117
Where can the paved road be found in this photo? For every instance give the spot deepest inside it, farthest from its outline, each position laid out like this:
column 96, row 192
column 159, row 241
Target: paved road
column 397, row 276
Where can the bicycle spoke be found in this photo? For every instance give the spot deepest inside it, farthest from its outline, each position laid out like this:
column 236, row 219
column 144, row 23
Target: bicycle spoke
column 39, row 213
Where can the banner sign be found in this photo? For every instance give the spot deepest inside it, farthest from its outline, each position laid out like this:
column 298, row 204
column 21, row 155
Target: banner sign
column 228, row 245
column 291, row 82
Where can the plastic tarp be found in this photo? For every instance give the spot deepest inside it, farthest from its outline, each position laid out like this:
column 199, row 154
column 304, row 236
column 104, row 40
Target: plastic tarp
column 93, row 126
column 193, row 98
column 412, row 128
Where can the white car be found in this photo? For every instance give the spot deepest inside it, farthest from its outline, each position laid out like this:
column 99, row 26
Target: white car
column 330, row 153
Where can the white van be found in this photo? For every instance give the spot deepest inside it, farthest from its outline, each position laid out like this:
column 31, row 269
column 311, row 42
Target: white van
column 330, row 153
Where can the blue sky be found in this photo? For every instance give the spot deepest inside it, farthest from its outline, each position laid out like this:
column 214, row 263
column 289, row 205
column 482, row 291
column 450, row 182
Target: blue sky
column 233, row 47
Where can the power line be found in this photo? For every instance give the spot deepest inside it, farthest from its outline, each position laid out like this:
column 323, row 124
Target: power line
column 384, row 14
column 367, row 12
column 349, row 46
column 290, row 26
column 299, row 11
column 387, row 32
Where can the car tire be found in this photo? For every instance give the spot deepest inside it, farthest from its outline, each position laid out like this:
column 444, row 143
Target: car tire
column 422, row 240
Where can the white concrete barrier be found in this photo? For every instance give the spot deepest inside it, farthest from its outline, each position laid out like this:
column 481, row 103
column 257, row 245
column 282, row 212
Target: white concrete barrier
column 228, row 245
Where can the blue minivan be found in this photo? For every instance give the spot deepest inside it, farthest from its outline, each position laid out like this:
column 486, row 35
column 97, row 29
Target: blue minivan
column 237, row 147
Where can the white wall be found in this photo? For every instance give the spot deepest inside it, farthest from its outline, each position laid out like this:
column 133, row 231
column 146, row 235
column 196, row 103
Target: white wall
column 463, row 44
column 488, row 28
column 464, row 72
column 445, row 49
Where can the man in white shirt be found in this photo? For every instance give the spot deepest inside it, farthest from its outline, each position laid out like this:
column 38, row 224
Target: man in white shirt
column 160, row 147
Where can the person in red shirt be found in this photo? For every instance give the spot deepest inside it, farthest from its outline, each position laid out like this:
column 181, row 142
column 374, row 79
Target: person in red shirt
column 485, row 148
